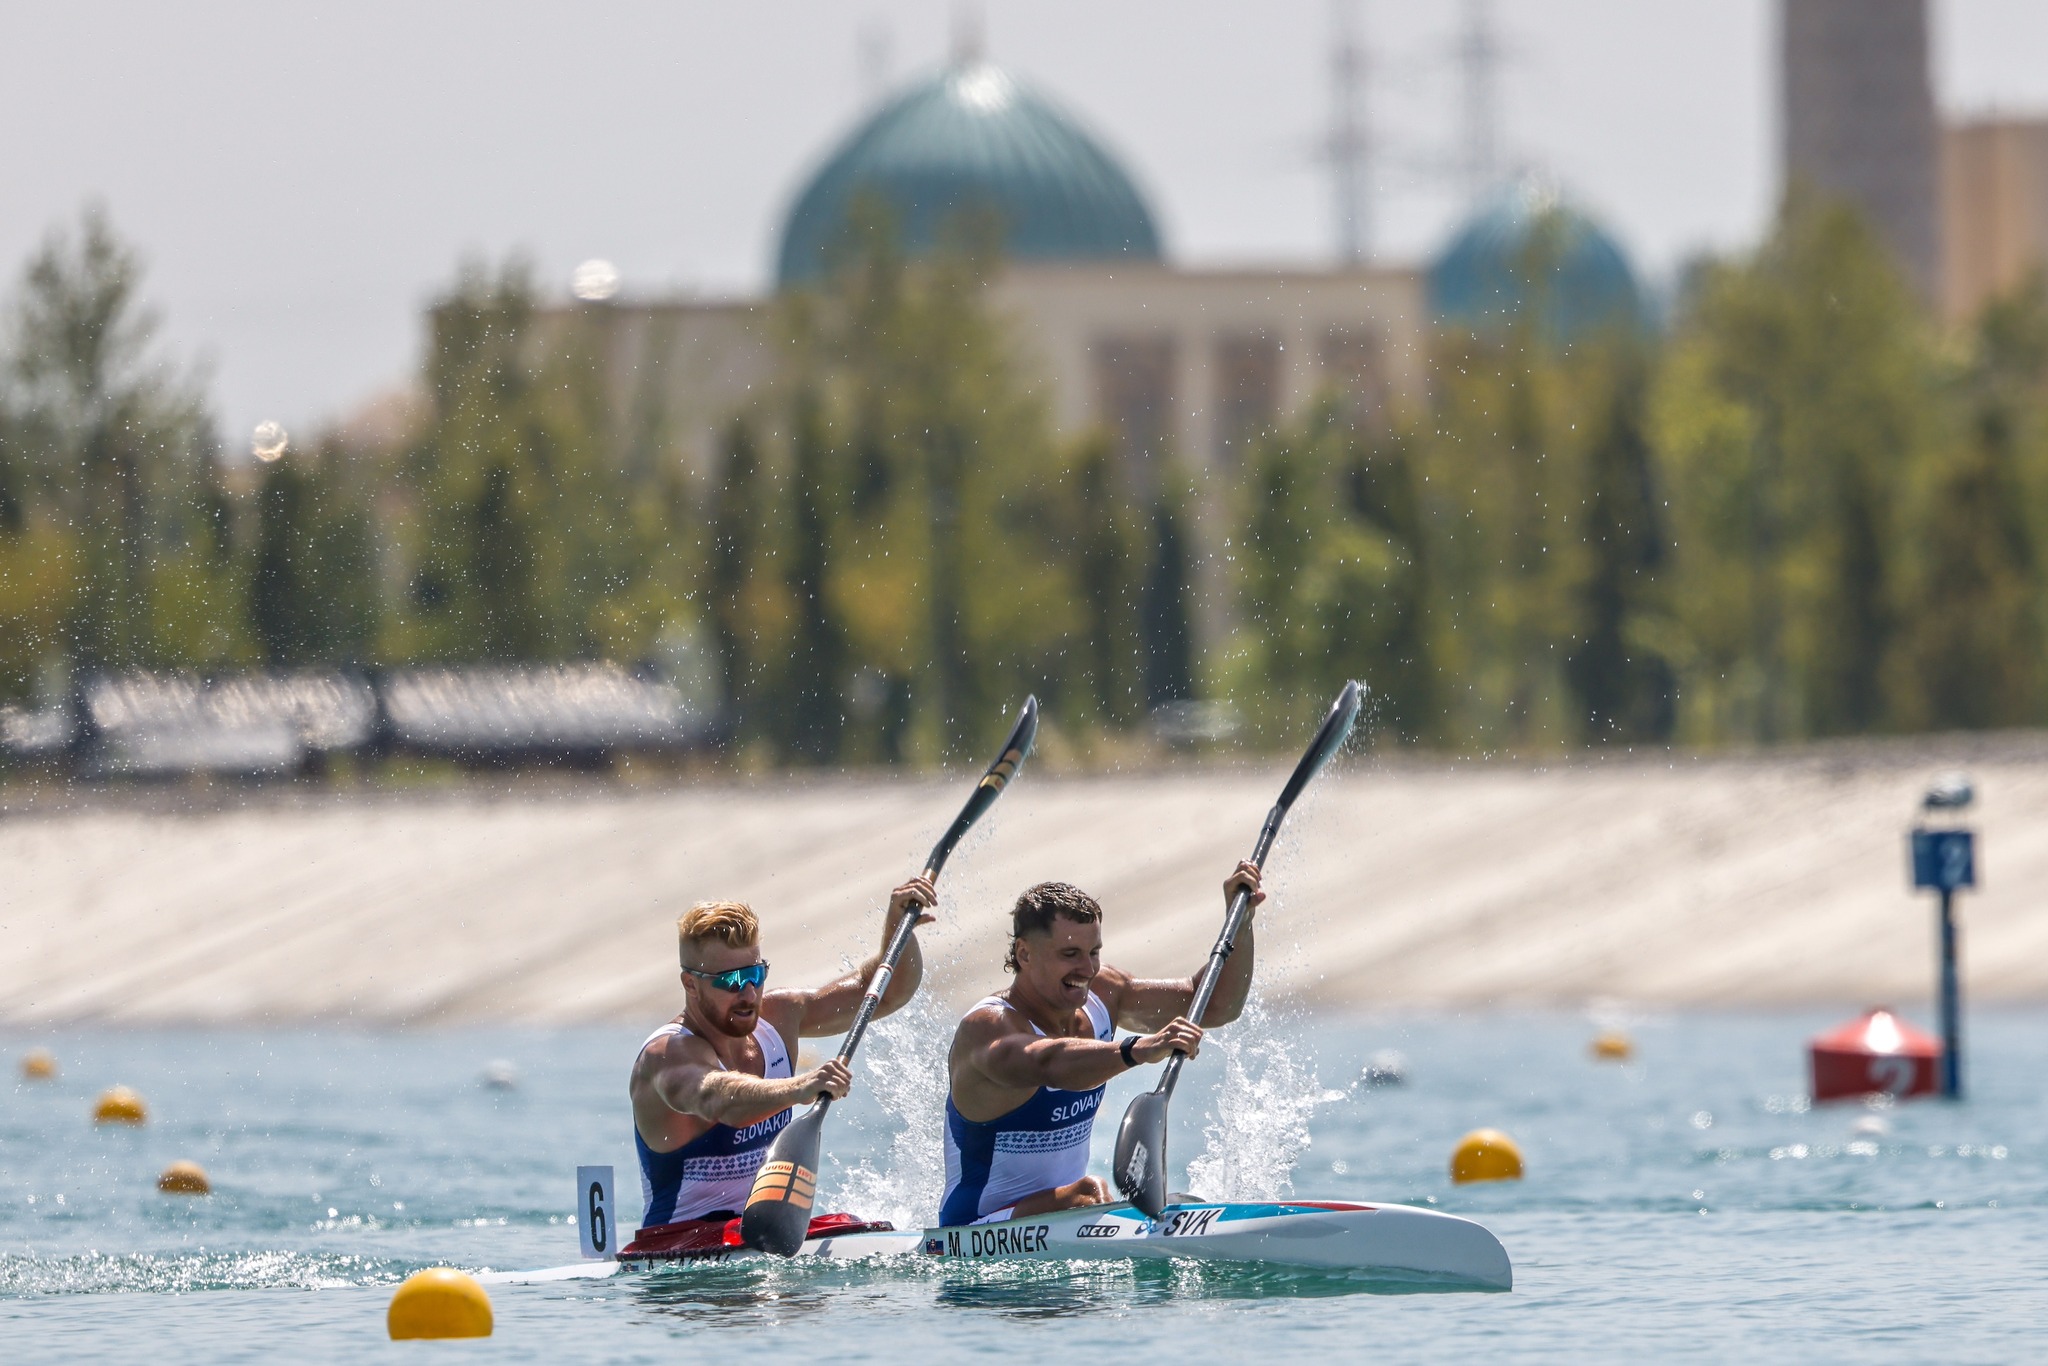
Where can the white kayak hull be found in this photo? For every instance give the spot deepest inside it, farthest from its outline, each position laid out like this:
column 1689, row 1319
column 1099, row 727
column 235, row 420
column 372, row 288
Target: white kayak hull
column 1397, row 1243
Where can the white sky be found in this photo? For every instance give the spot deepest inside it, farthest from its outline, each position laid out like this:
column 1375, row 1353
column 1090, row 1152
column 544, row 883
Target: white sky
column 302, row 178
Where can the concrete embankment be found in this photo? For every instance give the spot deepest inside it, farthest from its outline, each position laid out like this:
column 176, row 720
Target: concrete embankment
column 1776, row 879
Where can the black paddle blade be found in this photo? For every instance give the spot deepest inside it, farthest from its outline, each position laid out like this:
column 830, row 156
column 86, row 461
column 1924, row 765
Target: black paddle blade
column 1140, row 1165
column 1009, row 761
column 1336, row 729
column 778, row 1212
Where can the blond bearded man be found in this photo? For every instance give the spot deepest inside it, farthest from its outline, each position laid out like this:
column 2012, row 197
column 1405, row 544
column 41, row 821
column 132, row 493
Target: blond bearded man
column 1029, row 1064
column 713, row 1087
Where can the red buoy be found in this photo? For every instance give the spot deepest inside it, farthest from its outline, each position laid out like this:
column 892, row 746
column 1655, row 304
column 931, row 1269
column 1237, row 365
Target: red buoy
column 1877, row 1052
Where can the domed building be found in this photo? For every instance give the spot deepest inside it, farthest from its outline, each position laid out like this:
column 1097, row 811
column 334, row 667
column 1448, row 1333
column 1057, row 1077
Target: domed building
column 971, row 139
column 1529, row 255
column 1187, row 366
column 1173, row 363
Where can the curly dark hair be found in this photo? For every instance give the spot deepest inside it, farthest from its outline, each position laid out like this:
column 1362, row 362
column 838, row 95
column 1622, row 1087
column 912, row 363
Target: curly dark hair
column 1036, row 909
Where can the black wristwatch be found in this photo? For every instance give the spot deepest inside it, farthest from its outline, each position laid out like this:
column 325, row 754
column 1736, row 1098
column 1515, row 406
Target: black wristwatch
column 1130, row 1042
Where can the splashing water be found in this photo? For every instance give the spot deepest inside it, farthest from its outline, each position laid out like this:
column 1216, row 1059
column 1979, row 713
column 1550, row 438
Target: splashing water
column 1258, row 1126
column 902, row 1066
column 178, row 1273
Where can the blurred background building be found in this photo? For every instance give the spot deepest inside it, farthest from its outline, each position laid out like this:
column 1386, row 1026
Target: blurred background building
column 1859, row 124
column 1169, row 361
column 1994, row 209
column 1962, row 203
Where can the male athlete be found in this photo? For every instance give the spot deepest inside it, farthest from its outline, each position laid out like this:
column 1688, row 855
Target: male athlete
column 1028, row 1064
column 712, row 1088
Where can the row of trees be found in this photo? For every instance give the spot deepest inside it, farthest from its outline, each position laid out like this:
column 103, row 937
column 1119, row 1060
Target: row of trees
column 1802, row 511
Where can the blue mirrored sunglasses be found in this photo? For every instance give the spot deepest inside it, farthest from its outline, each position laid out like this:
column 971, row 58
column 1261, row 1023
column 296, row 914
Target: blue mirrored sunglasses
column 734, row 979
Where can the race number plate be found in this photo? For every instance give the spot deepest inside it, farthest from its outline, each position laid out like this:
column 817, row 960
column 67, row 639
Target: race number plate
column 594, row 1212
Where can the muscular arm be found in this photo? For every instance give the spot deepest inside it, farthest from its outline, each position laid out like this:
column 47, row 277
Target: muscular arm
column 830, row 1009
column 1018, row 1060
column 689, row 1083
column 996, row 1052
column 1149, row 1003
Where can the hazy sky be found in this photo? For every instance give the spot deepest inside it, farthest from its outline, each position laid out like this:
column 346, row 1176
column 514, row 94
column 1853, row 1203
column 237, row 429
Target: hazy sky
column 302, row 178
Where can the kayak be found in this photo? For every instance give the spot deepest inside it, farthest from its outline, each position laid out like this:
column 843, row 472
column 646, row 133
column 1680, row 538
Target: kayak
column 1390, row 1242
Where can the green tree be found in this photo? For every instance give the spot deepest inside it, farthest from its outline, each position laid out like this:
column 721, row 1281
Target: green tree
column 1101, row 535
column 818, row 657
column 1163, row 611
column 527, row 537
column 1329, row 588
column 311, row 591
column 1796, row 402
column 1501, row 463
column 745, row 606
column 941, row 559
column 1380, row 491
column 115, row 445
column 1972, row 650
column 1624, row 686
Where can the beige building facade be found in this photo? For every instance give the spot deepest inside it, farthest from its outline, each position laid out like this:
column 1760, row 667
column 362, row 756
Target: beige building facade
column 1184, row 365
column 1994, row 204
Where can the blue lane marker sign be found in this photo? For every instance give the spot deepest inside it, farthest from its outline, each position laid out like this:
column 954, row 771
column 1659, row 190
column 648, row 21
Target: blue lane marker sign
column 1944, row 859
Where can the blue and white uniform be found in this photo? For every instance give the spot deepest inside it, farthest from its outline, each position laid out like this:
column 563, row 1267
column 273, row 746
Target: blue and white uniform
column 1043, row 1143
column 715, row 1170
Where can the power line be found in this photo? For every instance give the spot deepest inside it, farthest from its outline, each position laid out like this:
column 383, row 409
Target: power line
column 1479, row 58
column 1349, row 149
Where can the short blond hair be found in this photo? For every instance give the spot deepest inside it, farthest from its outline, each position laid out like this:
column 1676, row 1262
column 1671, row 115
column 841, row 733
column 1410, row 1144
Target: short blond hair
column 731, row 923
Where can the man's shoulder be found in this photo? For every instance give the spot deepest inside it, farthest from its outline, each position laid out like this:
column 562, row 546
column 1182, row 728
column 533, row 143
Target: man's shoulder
column 990, row 1018
column 783, row 1012
column 669, row 1044
column 1109, row 985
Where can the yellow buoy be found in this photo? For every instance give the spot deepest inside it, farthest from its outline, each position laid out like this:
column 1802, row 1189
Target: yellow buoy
column 1486, row 1155
column 439, row 1302
column 184, row 1178
column 38, row 1065
column 119, row 1105
column 1613, row 1046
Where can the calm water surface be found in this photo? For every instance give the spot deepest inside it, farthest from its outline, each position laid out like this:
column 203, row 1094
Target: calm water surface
column 1688, row 1204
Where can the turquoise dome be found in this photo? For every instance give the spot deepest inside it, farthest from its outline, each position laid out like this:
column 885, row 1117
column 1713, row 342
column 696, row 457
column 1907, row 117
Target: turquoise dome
column 1527, row 249
column 972, row 138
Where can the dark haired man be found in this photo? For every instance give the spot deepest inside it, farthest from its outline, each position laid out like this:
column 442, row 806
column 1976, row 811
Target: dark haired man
column 1029, row 1064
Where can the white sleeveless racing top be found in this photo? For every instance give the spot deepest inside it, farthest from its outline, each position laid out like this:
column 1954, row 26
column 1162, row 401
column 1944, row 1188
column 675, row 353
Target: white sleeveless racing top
column 1043, row 1143
column 714, row 1171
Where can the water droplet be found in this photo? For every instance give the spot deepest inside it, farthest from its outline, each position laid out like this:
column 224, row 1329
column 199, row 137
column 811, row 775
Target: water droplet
column 595, row 281
column 269, row 440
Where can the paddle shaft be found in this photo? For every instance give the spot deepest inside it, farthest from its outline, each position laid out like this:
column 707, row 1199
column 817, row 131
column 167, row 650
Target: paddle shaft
column 1140, row 1163
column 1226, row 943
column 985, row 793
column 871, row 1000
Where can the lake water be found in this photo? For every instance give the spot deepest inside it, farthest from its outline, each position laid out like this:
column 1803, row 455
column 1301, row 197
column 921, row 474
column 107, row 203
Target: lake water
column 1687, row 1204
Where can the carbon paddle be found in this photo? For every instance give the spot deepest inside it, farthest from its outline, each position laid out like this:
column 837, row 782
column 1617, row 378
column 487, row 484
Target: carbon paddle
column 778, row 1212
column 1140, row 1164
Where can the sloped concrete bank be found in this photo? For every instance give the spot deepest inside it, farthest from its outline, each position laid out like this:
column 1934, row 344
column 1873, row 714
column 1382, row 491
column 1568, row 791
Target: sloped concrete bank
column 1774, row 879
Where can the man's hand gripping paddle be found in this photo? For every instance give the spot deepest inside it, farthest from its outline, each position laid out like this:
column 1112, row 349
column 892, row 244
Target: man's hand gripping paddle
column 778, row 1212
column 1140, row 1165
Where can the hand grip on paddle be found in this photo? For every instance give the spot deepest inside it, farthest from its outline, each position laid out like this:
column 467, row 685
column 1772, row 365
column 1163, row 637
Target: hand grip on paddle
column 1182, row 1038
column 830, row 1080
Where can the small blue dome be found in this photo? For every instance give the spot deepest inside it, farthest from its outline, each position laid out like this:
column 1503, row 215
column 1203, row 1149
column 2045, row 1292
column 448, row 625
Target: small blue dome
column 1526, row 249
column 970, row 138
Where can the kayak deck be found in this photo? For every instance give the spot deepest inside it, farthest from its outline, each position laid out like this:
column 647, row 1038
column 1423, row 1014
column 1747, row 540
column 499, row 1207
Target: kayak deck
column 1398, row 1240
column 1392, row 1242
